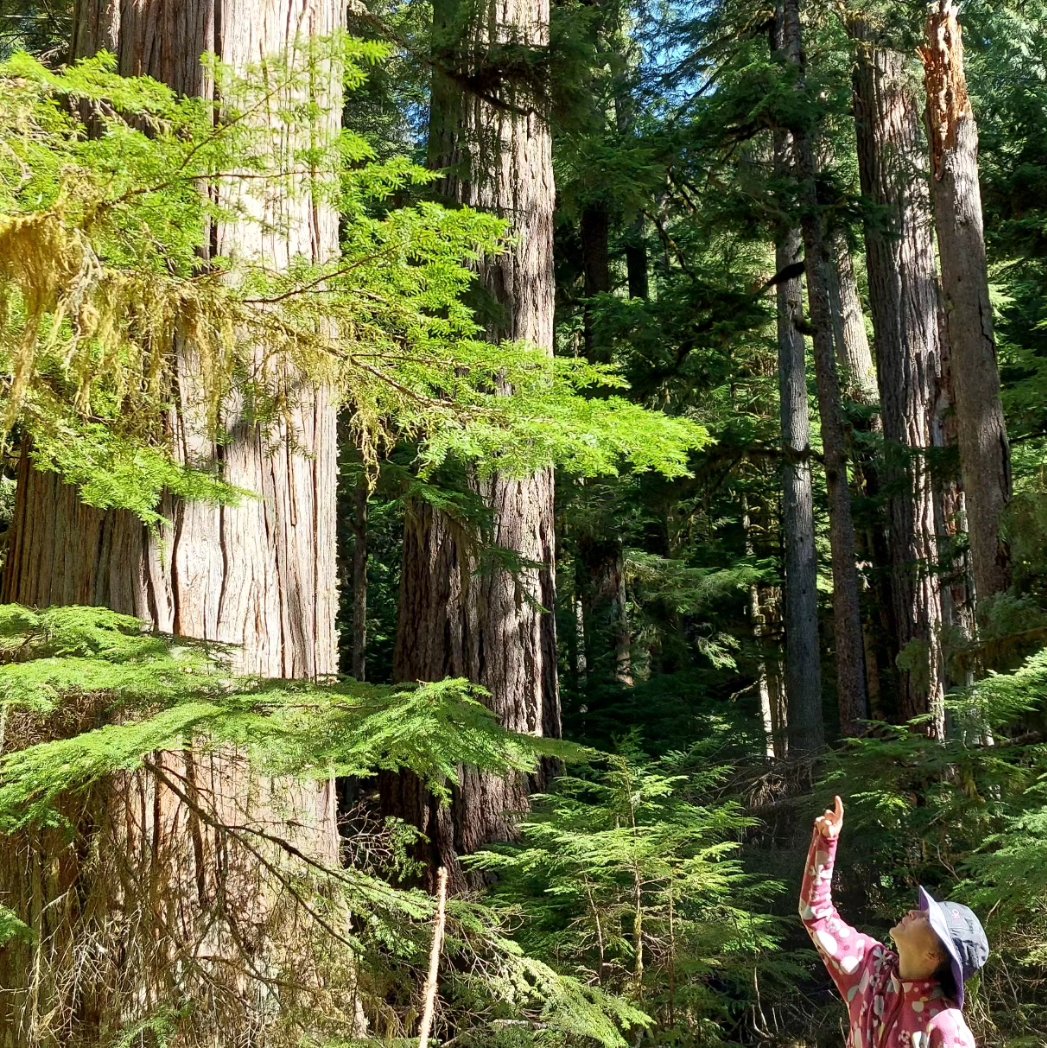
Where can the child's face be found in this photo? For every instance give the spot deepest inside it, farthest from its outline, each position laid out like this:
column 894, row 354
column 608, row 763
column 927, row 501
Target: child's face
column 913, row 933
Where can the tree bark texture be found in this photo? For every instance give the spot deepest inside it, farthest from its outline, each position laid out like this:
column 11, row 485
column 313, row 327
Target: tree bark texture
column 461, row 612
column 855, row 360
column 155, row 904
column 803, row 675
column 985, row 458
column 853, row 351
column 847, row 622
column 906, row 312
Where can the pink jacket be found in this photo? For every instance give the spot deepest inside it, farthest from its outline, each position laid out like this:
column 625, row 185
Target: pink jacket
column 885, row 1010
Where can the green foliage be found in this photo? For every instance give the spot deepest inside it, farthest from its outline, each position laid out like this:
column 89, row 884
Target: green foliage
column 117, row 694
column 101, row 222
column 626, row 880
column 168, row 695
column 11, row 927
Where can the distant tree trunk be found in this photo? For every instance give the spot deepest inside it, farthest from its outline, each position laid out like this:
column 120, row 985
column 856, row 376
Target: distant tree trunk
column 636, row 264
column 601, row 556
column 608, row 641
column 358, row 645
column 803, row 670
column 903, row 293
column 853, row 352
column 847, row 623
column 985, row 459
column 765, row 613
column 855, row 361
column 149, row 906
column 595, row 232
column 461, row 614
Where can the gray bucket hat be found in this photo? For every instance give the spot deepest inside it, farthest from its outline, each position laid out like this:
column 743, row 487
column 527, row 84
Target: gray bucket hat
column 961, row 934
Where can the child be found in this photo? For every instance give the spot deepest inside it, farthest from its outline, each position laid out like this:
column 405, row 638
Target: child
column 909, row 999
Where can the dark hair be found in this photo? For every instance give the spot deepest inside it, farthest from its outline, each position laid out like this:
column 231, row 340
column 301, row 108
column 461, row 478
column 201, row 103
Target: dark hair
column 946, row 979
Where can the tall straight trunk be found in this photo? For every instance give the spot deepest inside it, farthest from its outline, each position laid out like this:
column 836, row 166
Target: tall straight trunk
column 460, row 616
column 358, row 645
column 904, row 298
column 600, row 553
column 847, row 623
column 985, row 458
column 803, row 671
column 150, row 907
column 858, row 371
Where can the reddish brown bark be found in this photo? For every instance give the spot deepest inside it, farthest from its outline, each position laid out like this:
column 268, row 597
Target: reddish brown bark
column 985, row 459
column 461, row 613
column 905, row 305
column 154, row 905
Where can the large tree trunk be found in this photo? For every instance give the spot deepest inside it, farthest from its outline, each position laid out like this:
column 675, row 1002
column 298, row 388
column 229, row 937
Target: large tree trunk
column 803, row 671
column 903, row 293
column 847, row 622
column 153, row 906
column 985, row 460
column 461, row 614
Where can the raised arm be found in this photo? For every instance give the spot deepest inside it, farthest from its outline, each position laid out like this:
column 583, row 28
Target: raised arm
column 949, row 1030
column 844, row 950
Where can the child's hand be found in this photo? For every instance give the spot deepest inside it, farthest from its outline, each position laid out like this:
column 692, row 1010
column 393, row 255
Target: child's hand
column 830, row 824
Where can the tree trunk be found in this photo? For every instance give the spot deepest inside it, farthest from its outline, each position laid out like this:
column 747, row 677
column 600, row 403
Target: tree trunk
column 803, row 671
column 621, row 61
column 847, row 623
column 985, row 459
column 855, row 361
column 151, row 907
column 595, row 233
column 358, row 647
column 599, row 549
column 765, row 604
column 608, row 641
column 461, row 615
column 903, row 293
column 853, row 352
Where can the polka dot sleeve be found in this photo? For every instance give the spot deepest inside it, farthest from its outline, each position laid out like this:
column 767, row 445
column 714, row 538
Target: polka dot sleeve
column 843, row 949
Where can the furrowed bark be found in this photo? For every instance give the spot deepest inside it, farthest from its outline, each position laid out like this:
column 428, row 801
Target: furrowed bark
column 905, row 305
column 152, row 906
column 985, row 458
column 459, row 614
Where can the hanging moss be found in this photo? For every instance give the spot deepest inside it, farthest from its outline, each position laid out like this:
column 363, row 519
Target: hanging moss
column 110, row 318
